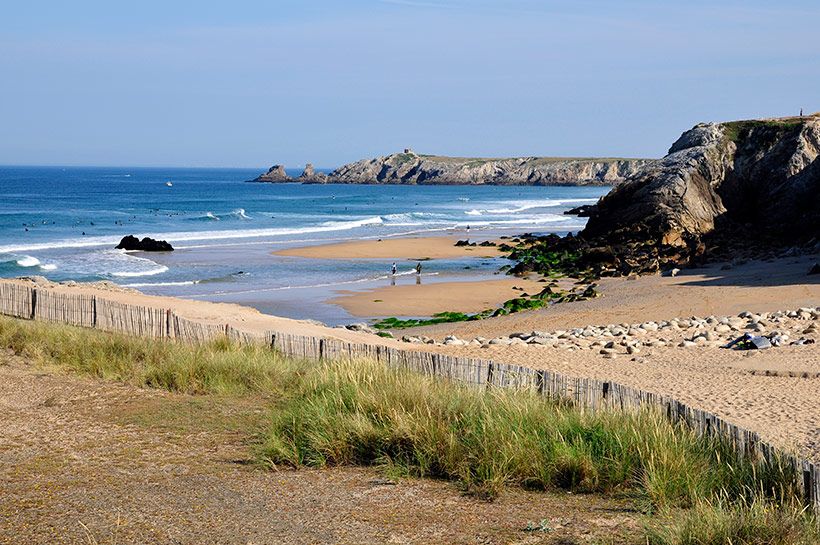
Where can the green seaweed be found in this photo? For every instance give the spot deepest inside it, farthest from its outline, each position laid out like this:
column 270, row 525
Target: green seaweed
column 526, row 302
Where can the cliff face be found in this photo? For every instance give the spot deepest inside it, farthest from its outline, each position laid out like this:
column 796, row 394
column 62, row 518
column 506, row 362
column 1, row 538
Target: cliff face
column 411, row 168
column 746, row 179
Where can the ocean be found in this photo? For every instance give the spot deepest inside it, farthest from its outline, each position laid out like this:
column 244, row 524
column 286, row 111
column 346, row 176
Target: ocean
column 63, row 223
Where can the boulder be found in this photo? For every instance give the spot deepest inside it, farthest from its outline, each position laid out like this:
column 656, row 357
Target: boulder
column 147, row 244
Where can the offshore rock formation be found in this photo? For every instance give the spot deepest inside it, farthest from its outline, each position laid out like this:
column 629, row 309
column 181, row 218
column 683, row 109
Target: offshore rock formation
column 276, row 173
column 411, row 168
column 309, row 175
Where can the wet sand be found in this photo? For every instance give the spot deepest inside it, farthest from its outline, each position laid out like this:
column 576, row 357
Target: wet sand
column 420, row 248
column 428, row 299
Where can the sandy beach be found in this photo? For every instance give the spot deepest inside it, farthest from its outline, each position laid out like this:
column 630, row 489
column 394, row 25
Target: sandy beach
column 418, row 248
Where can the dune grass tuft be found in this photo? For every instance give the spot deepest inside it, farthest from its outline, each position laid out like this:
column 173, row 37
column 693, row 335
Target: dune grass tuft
column 723, row 522
column 345, row 413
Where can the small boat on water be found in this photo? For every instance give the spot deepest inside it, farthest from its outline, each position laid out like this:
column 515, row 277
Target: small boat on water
column 169, row 184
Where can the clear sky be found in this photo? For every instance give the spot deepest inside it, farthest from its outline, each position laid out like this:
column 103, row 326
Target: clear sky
column 252, row 83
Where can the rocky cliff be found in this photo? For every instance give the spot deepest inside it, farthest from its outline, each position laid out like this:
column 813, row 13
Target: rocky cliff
column 742, row 189
column 411, row 168
column 749, row 180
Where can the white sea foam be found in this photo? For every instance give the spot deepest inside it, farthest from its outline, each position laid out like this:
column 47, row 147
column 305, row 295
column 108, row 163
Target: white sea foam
column 517, row 207
column 240, row 213
column 28, row 261
column 182, row 236
column 150, row 272
column 161, row 284
column 49, row 267
column 111, row 263
column 211, row 216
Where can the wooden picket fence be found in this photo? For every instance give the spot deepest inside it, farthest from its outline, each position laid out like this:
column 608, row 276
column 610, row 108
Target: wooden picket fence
column 131, row 319
column 26, row 302
column 16, row 300
column 65, row 308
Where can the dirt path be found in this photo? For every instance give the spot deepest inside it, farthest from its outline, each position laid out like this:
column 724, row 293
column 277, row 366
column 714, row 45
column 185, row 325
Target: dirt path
column 85, row 461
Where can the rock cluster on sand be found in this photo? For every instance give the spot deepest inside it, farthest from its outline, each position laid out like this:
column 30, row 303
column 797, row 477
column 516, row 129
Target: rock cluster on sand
column 147, row 244
column 779, row 328
column 411, row 168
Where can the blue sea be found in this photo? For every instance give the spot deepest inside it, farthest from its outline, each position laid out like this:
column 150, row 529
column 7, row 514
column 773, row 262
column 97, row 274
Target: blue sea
column 63, row 223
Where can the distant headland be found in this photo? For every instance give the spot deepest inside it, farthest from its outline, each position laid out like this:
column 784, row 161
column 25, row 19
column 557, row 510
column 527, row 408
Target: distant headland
column 410, row 168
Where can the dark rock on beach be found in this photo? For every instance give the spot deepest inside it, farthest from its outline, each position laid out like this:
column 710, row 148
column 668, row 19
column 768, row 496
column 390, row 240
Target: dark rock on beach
column 147, row 244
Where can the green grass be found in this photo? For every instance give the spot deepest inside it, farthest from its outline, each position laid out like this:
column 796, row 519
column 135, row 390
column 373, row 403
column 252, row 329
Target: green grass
column 737, row 130
column 517, row 304
column 360, row 413
column 758, row 522
column 693, row 489
column 219, row 367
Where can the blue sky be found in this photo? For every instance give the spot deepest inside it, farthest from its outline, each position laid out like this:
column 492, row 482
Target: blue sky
column 252, row 83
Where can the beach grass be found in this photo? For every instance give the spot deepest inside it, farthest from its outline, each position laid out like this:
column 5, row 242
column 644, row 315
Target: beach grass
column 219, row 367
column 362, row 413
column 693, row 489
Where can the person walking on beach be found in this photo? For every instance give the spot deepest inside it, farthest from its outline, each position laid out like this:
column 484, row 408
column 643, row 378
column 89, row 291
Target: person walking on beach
column 393, row 269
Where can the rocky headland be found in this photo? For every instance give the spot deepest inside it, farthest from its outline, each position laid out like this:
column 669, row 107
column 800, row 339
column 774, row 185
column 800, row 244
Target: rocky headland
column 412, row 168
column 725, row 190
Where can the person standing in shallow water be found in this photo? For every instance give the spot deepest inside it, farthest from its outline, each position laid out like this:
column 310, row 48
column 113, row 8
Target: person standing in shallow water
column 393, row 269
column 418, row 268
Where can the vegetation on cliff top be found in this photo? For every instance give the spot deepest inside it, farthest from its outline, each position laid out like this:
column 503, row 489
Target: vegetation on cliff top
column 737, row 130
